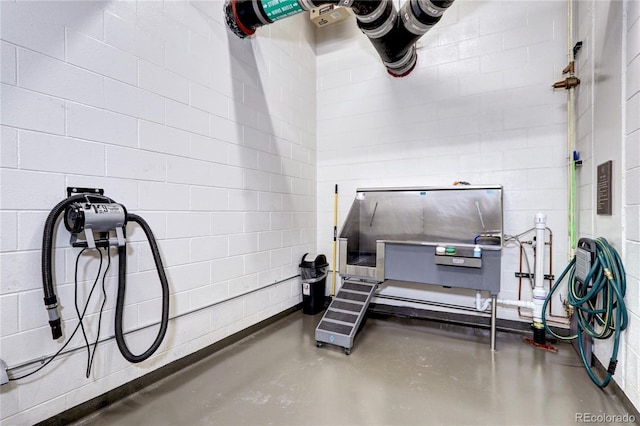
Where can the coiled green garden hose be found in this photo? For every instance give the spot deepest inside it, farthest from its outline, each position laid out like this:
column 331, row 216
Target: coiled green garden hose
column 598, row 303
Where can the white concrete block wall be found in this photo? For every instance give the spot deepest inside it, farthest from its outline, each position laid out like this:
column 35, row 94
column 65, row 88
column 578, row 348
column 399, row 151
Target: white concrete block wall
column 631, row 341
column 594, row 120
column 208, row 137
column 479, row 108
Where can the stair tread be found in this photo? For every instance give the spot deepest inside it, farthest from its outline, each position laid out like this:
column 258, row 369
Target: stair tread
column 345, row 314
column 346, row 306
column 341, row 316
column 335, row 327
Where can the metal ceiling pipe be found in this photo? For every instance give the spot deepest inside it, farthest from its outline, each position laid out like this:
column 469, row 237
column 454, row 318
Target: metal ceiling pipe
column 392, row 34
column 243, row 17
column 397, row 47
column 387, row 36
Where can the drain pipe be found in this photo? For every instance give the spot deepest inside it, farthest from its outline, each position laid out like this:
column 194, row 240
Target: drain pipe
column 393, row 35
column 539, row 292
column 483, row 305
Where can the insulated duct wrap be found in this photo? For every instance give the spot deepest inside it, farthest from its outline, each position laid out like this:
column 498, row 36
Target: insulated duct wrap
column 392, row 34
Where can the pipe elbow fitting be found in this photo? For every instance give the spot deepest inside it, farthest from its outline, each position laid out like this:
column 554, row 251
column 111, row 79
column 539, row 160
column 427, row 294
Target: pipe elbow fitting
column 233, row 20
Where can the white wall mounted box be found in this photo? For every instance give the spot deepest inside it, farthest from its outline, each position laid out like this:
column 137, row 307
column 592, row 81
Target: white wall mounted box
column 328, row 14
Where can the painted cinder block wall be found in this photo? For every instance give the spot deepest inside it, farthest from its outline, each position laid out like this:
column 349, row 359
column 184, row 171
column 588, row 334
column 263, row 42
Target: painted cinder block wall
column 631, row 149
column 495, row 69
column 608, row 123
column 479, row 107
column 210, row 138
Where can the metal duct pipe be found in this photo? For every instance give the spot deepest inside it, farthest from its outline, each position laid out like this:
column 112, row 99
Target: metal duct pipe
column 393, row 35
column 387, row 36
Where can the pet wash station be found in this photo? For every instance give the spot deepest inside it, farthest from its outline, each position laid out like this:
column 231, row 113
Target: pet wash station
column 443, row 236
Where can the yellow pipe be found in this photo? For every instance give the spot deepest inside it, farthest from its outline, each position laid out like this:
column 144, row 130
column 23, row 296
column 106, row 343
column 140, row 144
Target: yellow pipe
column 335, row 236
column 571, row 170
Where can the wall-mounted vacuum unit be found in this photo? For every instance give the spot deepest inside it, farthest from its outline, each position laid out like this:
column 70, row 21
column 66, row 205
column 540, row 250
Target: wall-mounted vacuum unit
column 102, row 222
column 445, row 236
column 392, row 33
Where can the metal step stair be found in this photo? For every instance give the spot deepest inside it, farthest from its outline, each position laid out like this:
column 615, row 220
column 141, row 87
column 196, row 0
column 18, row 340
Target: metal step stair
column 342, row 319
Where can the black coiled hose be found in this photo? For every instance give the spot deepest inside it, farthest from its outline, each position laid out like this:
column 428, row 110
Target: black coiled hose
column 122, row 285
column 51, row 301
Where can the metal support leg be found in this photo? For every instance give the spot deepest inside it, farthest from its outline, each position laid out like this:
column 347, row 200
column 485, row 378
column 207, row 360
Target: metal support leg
column 494, row 311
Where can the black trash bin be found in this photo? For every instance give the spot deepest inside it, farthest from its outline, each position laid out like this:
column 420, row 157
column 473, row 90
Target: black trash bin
column 314, row 281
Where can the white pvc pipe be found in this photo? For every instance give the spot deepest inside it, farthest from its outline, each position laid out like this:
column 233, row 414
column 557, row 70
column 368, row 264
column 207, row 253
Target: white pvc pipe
column 539, row 292
column 482, row 305
column 527, row 304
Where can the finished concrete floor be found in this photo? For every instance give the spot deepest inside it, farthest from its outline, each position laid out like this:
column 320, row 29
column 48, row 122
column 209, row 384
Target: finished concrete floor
column 401, row 372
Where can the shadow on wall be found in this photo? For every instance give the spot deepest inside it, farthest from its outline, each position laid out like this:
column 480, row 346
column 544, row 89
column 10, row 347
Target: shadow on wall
column 250, row 109
column 53, row 17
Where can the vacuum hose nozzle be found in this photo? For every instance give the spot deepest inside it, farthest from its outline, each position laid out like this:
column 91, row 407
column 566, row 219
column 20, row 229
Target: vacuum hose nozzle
column 56, row 328
column 50, row 300
column 51, row 303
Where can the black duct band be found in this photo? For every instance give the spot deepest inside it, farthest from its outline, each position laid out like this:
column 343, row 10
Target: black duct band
column 244, row 16
column 381, row 25
column 52, row 300
column 416, row 20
